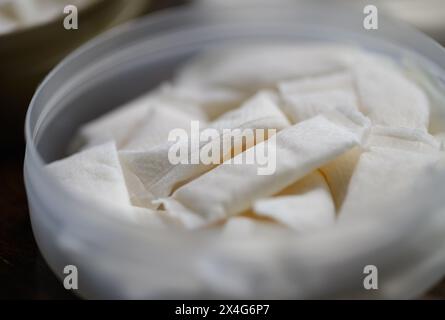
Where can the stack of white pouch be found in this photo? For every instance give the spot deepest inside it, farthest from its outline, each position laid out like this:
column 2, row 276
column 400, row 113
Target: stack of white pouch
column 353, row 152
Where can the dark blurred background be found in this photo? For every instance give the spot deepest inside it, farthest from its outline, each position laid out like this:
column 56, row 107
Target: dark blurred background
column 29, row 51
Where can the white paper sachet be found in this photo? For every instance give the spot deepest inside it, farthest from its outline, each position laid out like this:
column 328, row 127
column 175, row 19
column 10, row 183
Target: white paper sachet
column 394, row 161
column 257, row 67
column 390, row 99
column 213, row 101
column 338, row 174
column 95, row 174
column 380, row 172
column 308, row 97
column 231, row 188
column 159, row 176
column 119, row 125
column 260, row 111
column 329, row 82
column 116, row 125
column 302, row 106
column 304, row 206
column 158, row 123
column 402, row 138
column 433, row 90
column 244, row 227
column 139, row 196
column 440, row 137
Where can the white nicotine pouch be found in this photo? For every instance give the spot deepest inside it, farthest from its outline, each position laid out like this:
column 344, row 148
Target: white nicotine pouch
column 301, row 106
column 338, row 173
column 256, row 67
column 159, row 175
column 240, row 227
column 441, row 139
column 133, row 117
column 343, row 81
column 390, row 99
column 306, row 205
column 95, row 174
column 394, row 160
column 294, row 152
column 212, row 101
column 116, row 126
column 307, row 97
column 158, row 122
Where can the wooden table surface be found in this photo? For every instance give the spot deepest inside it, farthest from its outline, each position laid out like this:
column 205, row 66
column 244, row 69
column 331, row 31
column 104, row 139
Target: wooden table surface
column 23, row 272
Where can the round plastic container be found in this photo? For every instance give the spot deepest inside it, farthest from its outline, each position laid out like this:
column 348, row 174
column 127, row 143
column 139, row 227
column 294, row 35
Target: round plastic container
column 116, row 259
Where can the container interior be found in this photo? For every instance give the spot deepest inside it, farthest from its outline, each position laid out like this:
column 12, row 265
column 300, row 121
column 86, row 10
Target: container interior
column 98, row 99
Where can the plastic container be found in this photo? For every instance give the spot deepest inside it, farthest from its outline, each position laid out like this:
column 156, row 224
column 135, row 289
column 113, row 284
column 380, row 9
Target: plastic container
column 119, row 260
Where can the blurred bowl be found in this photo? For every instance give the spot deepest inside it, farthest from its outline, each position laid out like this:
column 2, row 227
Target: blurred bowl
column 27, row 54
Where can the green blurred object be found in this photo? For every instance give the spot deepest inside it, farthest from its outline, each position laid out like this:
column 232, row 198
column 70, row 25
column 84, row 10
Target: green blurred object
column 28, row 54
